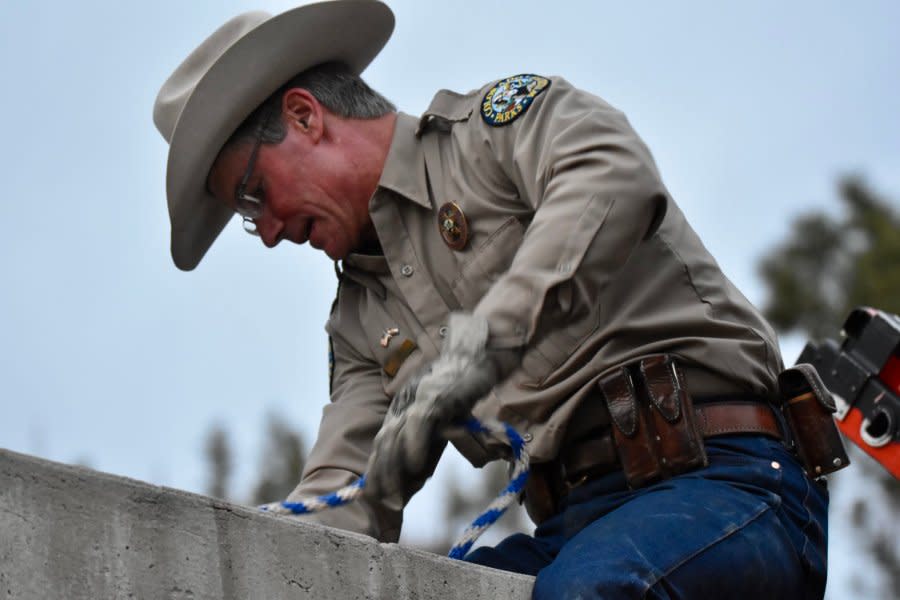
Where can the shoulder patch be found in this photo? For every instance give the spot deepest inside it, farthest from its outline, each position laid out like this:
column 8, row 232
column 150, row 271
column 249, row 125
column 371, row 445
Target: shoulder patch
column 510, row 98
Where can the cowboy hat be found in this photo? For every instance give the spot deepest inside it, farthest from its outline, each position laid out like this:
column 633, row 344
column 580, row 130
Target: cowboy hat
column 227, row 77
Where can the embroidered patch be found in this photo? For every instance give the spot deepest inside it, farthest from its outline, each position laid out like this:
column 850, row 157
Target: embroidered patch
column 511, row 97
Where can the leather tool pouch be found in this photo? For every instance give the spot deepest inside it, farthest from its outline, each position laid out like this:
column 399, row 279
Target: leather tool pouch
column 653, row 420
column 808, row 406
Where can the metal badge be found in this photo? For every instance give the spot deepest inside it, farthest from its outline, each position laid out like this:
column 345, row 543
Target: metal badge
column 453, row 226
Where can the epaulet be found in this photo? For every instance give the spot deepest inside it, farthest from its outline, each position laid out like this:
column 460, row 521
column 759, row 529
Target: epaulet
column 447, row 107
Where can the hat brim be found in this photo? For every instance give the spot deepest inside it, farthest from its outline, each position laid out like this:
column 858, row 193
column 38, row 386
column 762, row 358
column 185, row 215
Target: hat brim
column 352, row 32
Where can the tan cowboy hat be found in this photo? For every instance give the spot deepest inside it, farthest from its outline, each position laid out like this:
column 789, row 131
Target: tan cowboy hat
column 227, row 77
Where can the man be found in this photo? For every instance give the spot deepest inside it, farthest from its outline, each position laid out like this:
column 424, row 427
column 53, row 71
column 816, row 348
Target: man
column 511, row 253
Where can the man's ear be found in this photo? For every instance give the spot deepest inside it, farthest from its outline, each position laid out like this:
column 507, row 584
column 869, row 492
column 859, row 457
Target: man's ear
column 302, row 110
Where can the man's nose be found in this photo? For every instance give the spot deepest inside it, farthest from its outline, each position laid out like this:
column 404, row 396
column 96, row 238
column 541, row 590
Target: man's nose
column 271, row 230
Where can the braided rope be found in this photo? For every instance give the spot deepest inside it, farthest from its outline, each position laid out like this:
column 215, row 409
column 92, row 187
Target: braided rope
column 509, row 494
column 345, row 495
column 485, row 429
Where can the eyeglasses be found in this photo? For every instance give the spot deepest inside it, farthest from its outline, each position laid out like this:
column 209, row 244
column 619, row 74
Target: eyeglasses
column 250, row 206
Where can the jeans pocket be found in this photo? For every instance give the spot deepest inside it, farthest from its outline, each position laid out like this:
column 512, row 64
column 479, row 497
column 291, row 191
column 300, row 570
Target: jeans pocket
column 814, row 548
column 762, row 477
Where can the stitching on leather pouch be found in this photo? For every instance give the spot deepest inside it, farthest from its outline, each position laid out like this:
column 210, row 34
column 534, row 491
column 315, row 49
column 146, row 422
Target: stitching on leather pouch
column 818, row 392
column 632, row 404
column 632, row 408
column 705, row 420
column 672, row 372
column 738, row 430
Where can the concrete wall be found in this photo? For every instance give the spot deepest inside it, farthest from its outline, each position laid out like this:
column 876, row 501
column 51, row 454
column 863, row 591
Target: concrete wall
column 72, row 533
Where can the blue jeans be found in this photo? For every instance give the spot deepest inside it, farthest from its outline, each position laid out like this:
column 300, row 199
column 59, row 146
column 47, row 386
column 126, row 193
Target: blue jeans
column 750, row 525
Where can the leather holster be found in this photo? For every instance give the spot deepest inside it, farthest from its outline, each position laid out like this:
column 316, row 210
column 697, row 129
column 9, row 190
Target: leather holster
column 808, row 406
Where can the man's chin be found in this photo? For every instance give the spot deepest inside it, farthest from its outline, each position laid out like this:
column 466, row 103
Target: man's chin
column 333, row 248
column 332, row 251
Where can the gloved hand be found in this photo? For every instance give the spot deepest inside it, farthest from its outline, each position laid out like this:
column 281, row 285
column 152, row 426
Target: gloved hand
column 411, row 438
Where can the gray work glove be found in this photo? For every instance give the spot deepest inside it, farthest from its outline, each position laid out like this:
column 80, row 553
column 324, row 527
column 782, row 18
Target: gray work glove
column 442, row 395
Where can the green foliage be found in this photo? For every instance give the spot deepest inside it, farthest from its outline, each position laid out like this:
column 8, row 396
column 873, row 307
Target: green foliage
column 281, row 462
column 218, row 456
column 830, row 265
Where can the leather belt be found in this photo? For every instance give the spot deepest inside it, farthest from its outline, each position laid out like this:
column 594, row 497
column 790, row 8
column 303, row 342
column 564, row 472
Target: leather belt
column 724, row 418
column 646, row 423
column 596, row 455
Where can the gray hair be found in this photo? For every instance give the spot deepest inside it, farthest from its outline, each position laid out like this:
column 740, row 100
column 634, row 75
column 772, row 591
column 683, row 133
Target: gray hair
column 334, row 85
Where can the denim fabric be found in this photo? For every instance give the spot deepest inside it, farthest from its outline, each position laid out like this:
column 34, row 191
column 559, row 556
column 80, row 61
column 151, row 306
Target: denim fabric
column 750, row 525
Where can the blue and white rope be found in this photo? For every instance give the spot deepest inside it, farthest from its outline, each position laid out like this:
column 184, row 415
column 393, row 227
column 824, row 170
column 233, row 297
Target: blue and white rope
column 345, row 495
column 484, row 429
column 516, row 484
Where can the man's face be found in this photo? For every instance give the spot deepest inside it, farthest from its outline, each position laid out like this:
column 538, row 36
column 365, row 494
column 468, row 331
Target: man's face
column 306, row 193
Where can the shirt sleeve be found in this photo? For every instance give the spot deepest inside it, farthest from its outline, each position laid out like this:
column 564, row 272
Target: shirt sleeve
column 344, row 442
column 595, row 194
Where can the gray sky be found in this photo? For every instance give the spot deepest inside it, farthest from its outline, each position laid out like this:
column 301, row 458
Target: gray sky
column 109, row 354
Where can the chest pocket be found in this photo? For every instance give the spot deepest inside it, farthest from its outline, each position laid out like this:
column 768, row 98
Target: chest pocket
column 487, row 263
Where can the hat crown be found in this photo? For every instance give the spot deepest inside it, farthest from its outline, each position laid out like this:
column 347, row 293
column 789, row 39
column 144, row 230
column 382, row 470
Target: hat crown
column 174, row 93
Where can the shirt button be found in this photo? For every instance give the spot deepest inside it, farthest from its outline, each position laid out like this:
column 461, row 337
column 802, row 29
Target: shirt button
column 406, row 270
column 527, row 437
column 442, row 331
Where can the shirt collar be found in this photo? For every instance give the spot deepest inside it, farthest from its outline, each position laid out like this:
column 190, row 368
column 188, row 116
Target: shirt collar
column 404, row 169
column 366, row 270
column 367, row 262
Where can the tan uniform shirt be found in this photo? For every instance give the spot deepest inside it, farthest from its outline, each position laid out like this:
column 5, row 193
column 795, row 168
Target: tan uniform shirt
column 575, row 251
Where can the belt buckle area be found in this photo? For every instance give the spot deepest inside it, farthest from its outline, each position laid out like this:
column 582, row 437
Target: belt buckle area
column 596, row 471
column 587, row 458
column 571, row 485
